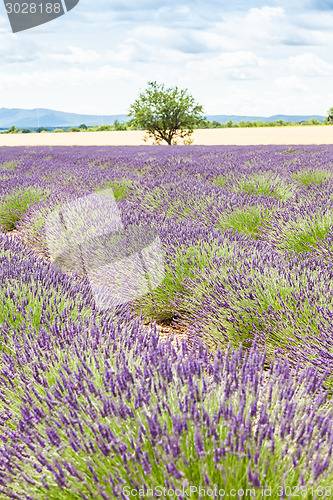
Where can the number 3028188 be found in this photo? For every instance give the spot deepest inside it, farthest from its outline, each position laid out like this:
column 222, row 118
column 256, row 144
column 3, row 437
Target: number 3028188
column 33, row 8
column 304, row 491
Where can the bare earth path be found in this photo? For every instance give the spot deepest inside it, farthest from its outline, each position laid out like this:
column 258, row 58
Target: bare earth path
column 212, row 137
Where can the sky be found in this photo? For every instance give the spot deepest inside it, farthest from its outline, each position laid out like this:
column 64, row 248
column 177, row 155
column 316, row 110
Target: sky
column 235, row 57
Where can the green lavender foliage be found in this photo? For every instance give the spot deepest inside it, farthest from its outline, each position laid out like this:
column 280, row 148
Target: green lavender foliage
column 16, row 204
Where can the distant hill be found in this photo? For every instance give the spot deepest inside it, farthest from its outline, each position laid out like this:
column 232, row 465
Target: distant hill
column 285, row 118
column 42, row 117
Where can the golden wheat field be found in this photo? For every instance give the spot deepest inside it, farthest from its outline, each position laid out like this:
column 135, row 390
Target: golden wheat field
column 233, row 136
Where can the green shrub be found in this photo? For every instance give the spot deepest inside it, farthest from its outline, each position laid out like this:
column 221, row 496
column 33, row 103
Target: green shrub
column 12, row 130
column 173, row 297
column 269, row 304
column 312, row 178
column 15, row 205
column 303, row 234
column 246, row 220
column 268, row 185
column 120, row 188
column 119, row 126
column 39, row 300
column 223, row 180
column 103, row 128
column 9, row 165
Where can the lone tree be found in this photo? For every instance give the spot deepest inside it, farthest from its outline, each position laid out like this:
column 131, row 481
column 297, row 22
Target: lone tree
column 329, row 118
column 166, row 114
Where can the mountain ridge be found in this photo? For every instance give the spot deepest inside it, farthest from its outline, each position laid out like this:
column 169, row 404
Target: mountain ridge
column 44, row 117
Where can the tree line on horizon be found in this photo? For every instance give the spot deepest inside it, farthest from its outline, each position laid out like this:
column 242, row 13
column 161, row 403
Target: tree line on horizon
column 123, row 126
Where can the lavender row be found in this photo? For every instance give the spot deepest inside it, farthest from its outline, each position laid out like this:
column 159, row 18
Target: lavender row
column 94, row 407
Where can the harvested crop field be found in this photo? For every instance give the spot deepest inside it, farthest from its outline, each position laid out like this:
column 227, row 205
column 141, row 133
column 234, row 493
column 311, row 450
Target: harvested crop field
column 220, row 377
column 209, row 137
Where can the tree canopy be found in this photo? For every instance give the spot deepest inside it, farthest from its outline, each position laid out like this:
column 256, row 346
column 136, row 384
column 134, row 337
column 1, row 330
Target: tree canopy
column 167, row 114
column 329, row 118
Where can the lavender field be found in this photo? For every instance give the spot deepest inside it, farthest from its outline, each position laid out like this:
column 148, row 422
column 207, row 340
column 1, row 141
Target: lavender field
column 95, row 404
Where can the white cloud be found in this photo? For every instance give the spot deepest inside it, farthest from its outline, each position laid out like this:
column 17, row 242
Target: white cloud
column 266, row 14
column 15, row 50
column 314, row 20
column 290, row 83
column 72, row 77
column 240, row 65
column 3, row 20
column 310, row 65
column 253, row 27
column 76, row 55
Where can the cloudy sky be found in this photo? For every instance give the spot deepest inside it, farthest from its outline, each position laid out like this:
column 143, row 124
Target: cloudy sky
column 235, row 57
